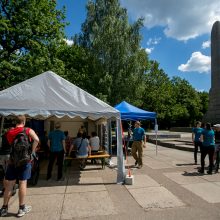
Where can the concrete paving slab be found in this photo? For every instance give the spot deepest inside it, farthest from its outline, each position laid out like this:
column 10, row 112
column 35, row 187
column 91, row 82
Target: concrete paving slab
column 85, row 205
column 154, row 164
column 85, row 184
column 184, row 178
column 155, row 198
column 46, row 190
column 217, row 183
column 142, row 181
column 212, row 178
column 34, row 216
column 210, row 192
column 48, row 206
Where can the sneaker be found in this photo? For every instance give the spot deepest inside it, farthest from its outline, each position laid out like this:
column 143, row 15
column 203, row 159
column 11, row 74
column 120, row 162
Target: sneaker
column 61, row 179
column 3, row 212
column 209, row 172
column 22, row 212
column 81, row 167
column 140, row 166
column 201, row 171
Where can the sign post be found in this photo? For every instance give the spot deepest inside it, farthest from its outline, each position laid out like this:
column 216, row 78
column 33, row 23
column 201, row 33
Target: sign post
column 156, row 130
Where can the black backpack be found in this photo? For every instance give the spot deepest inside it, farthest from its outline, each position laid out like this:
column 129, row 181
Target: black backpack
column 21, row 149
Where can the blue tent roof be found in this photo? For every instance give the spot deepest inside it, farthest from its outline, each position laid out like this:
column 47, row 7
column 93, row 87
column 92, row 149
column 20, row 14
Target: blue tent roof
column 130, row 112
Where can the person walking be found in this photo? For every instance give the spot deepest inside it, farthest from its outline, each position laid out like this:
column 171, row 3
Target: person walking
column 56, row 144
column 18, row 167
column 196, row 134
column 208, row 137
column 138, row 144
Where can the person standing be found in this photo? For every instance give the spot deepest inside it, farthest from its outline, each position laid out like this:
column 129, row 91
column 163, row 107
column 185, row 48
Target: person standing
column 217, row 146
column 56, row 144
column 22, row 172
column 208, row 147
column 196, row 134
column 137, row 145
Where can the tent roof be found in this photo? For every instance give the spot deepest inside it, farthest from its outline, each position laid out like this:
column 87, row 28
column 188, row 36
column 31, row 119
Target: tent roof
column 130, row 112
column 48, row 95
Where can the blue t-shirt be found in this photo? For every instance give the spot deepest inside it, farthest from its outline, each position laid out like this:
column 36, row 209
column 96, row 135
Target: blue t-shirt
column 56, row 138
column 208, row 138
column 81, row 146
column 138, row 134
column 197, row 132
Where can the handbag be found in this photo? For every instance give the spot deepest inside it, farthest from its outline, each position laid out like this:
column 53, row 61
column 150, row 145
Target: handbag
column 79, row 146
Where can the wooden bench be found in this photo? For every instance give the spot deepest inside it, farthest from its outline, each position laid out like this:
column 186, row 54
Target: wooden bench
column 101, row 156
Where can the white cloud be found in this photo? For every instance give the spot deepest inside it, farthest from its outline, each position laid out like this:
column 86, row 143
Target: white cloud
column 200, row 90
column 153, row 41
column 197, row 63
column 206, row 44
column 149, row 50
column 181, row 20
column 69, row 42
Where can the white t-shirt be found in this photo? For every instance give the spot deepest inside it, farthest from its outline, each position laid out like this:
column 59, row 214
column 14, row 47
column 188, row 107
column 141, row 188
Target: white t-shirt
column 94, row 142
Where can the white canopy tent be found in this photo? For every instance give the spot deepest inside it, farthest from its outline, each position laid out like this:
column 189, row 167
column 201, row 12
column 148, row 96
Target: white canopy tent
column 49, row 95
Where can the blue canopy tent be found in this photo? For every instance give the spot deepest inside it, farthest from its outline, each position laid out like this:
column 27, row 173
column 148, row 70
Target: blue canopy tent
column 132, row 113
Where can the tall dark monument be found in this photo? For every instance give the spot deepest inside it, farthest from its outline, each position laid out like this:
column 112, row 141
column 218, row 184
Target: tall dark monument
column 213, row 113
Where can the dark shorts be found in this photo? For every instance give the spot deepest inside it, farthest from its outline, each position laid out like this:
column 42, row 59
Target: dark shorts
column 20, row 173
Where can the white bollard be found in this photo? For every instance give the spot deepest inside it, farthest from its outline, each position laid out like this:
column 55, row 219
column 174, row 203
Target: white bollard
column 129, row 180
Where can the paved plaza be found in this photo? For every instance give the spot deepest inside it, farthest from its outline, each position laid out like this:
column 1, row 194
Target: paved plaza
column 167, row 187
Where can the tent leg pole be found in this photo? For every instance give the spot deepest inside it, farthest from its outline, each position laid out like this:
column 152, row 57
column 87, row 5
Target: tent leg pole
column 2, row 123
column 1, row 129
column 120, row 156
column 156, row 130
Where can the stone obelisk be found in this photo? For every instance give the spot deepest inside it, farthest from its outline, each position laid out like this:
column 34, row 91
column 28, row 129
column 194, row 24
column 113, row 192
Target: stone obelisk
column 213, row 113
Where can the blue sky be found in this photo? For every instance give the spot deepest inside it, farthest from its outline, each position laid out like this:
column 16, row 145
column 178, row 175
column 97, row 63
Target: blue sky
column 176, row 33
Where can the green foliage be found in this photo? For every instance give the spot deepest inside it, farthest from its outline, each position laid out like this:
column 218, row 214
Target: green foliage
column 29, row 33
column 174, row 100
column 158, row 92
column 187, row 101
column 116, row 45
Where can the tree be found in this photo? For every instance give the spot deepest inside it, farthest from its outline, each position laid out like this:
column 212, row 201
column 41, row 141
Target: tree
column 204, row 101
column 186, row 108
column 116, row 44
column 29, row 33
column 157, row 94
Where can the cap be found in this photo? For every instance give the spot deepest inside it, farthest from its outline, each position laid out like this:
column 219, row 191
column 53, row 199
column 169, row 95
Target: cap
column 217, row 125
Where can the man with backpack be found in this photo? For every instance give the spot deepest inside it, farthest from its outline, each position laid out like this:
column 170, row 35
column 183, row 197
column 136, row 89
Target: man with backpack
column 19, row 166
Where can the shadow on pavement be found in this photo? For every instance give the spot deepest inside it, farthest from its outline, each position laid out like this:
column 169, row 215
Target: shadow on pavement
column 192, row 174
column 185, row 164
